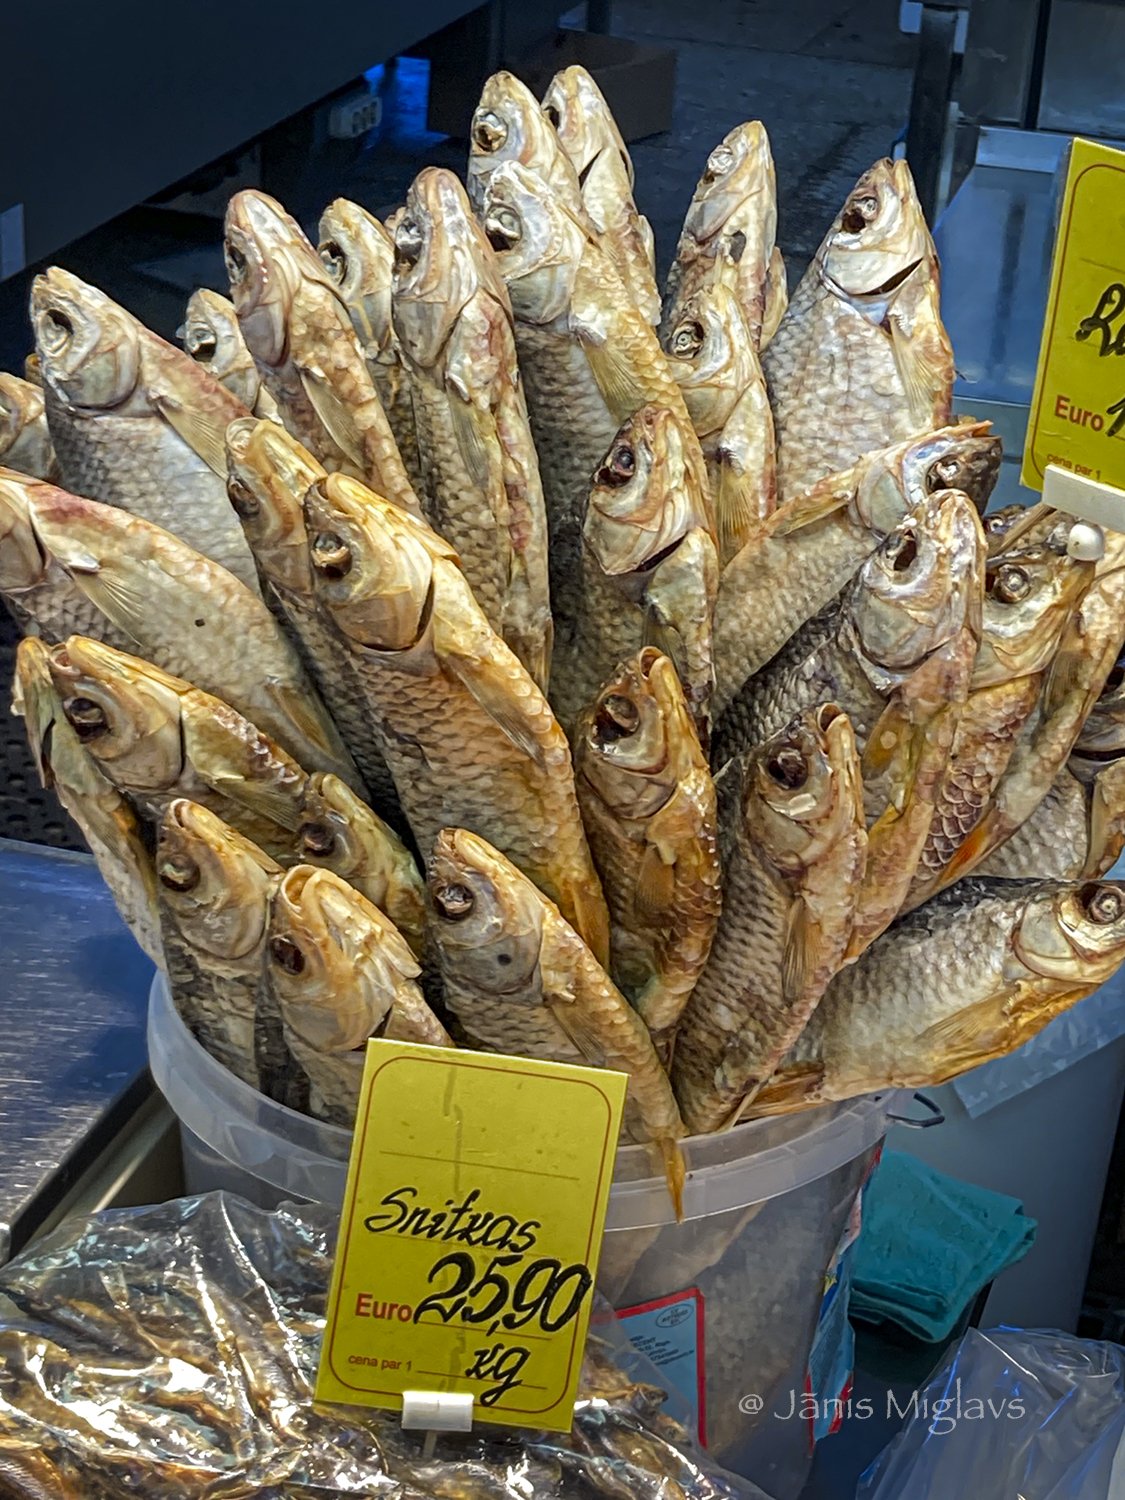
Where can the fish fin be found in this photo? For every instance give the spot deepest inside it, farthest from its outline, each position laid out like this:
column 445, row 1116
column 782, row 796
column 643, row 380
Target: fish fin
column 299, row 711
column 993, row 1027
column 789, row 1089
column 803, row 936
column 736, row 505
column 972, row 850
column 675, row 1172
column 656, row 884
column 267, row 802
column 615, row 376
column 920, row 360
column 335, row 416
column 895, row 737
column 488, row 688
column 569, row 1018
column 472, row 443
column 124, row 604
column 823, row 500
column 776, row 298
column 204, row 434
column 591, row 920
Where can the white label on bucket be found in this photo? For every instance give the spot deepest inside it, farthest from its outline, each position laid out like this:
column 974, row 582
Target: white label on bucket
column 669, row 1330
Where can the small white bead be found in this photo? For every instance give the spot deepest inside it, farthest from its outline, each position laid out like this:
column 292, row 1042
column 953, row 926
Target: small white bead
column 1086, row 543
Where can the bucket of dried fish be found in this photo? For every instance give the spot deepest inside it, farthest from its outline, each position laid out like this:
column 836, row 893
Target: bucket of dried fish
column 765, row 1207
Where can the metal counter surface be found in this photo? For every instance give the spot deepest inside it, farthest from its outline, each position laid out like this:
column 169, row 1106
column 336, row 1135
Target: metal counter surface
column 73, row 1061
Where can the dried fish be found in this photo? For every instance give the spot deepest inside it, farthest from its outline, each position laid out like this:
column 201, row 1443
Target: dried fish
column 861, row 358
column 588, row 133
column 135, row 421
column 211, row 335
column 468, row 736
column 648, row 804
column 298, row 328
column 794, row 849
column 340, row 972
column 968, row 977
column 454, row 326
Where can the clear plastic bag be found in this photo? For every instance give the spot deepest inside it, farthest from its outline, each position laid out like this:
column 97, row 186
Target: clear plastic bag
column 1013, row 1415
column 171, row 1352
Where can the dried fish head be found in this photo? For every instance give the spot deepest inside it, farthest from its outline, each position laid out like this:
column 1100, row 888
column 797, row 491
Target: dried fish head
column 802, row 788
column 490, row 925
column 739, row 168
column 372, row 564
column 334, row 961
column 22, row 560
column 1028, row 598
column 631, row 734
column 538, row 241
column 88, row 347
column 919, row 588
column 649, row 492
column 879, row 238
column 212, row 880
column 340, row 832
column 211, row 335
column 577, row 111
column 25, row 441
column 965, row 458
column 262, row 248
column 441, row 260
column 268, row 476
column 1103, row 733
column 358, row 255
column 1076, row 933
column 125, row 712
column 508, row 127
column 711, row 356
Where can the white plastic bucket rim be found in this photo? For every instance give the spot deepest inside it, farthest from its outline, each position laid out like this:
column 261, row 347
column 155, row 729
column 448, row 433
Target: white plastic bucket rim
column 307, row 1159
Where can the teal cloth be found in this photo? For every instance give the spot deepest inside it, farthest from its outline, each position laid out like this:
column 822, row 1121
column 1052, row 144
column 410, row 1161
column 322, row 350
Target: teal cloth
column 928, row 1244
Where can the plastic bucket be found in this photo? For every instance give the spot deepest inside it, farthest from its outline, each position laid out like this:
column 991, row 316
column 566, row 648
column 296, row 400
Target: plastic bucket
column 728, row 1302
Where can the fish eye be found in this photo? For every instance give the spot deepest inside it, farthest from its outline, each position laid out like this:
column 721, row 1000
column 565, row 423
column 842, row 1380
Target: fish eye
column 617, row 717
column 719, row 162
column 454, row 902
column 242, row 499
column 552, row 115
column 618, row 468
column 235, row 261
column 788, row 767
column 408, row 241
column 55, row 330
column 901, row 550
column 334, row 259
column 287, row 955
column 86, row 718
column 859, row 213
column 1103, row 904
column 331, row 555
column 1009, row 584
column 488, row 131
column 317, row 839
column 178, row 872
column 688, row 338
column 502, row 229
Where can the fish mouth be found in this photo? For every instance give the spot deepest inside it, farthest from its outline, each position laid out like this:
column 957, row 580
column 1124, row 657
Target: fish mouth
column 826, row 715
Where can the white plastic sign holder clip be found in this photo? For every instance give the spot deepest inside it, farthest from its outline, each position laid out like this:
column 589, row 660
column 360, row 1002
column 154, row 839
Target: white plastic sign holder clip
column 432, row 1412
column 1086, row 499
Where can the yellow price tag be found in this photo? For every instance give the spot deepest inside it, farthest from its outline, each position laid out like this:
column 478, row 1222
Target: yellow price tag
column 472, row 1224
column 1077, row 418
